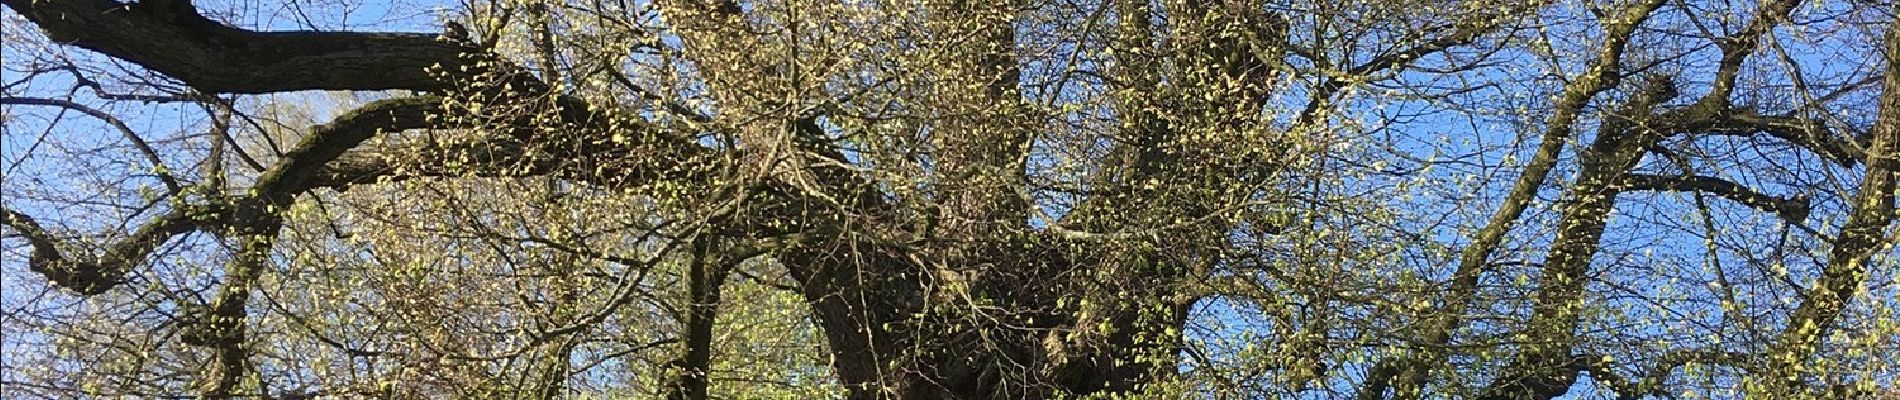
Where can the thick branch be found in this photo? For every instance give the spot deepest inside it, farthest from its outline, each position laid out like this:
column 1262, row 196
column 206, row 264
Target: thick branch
column 1737, row 48
column 170, row 37
column 1847, row 266
column 222, row 325
column 1805, row 132
column 1605, row 73
column 275, row 187
column 707, row 273
column 1792, row 209
column 301, row 167
column 92, row 275
column 1715, row 113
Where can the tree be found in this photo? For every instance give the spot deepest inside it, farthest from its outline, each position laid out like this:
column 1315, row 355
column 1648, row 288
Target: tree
column 961, row 199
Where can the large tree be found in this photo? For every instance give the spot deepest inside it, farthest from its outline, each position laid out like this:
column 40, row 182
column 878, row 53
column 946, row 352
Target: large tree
column 954, row 199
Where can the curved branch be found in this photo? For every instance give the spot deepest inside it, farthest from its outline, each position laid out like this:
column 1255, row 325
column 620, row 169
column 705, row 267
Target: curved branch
column 170, row 37
column 151, row 155
column 291, row 176
column 45, row 247
column 1715, row 113
column 300, row 167
column 1793, row 209
column 96, row 274
column 1804, row 132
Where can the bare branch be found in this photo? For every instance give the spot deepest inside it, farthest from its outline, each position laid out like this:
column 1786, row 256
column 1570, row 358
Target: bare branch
column 1737, row 48
column 1807, row 133
column 171, row 37
column 276, row 187
column 1460, row 33
column 151, row 155
column 1793, row 209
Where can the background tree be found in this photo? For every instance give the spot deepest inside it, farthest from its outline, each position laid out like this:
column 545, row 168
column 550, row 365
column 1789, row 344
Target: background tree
column 951, row 199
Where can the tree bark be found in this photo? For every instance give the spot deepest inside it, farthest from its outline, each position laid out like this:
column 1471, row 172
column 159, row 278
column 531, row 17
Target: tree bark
column 1408, row 375
column 1862, row 235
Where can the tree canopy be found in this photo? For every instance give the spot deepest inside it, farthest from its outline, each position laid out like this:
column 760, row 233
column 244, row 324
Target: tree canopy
column 950, row 199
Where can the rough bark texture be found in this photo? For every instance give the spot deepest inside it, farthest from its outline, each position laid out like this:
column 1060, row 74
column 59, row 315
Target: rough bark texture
column 1408, row 376
column 867, row 292
column 1847, row 270
column 171, row 37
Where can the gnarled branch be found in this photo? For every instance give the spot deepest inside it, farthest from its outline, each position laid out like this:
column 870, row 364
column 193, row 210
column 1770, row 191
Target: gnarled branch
column 286, row 179
column 90, row 275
